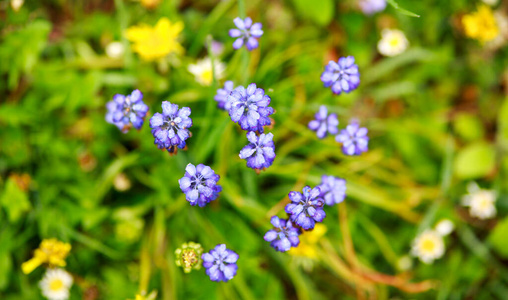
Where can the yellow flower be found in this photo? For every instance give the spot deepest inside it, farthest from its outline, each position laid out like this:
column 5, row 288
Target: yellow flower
column 50, row 251
column 156, row 42
column 481, row 25
column 308, row 241
column 143, row 296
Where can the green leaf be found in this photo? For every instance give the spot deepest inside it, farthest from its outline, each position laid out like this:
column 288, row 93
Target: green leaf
column 498, row 240
column 320, row 11
column 402, row 10
column 14, row 200
column 468, row 126
column 475, row 160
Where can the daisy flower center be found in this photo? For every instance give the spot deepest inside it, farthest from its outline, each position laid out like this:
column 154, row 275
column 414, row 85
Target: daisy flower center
column 56, row 285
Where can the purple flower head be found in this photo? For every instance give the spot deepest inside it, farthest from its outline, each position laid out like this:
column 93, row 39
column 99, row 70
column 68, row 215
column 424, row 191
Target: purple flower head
column 223, row 94
column 199, row 184
column 247, row 33
column 127, row 111
column 220, row 263
column 260, row 152
column 354, row 139
column 283, row 236
column 342, row 76
column 249, row 108
column 324, row 123
column 306, row 209
column 370, row 7
column 333, row 189
column 171, row 128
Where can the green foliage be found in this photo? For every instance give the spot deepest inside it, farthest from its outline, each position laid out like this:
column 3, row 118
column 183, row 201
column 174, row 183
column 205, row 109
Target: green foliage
column 437, row 116
column 475, row 160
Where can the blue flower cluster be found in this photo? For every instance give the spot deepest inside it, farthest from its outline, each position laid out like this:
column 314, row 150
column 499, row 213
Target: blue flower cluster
column 354, row 138
column 324, row 123
column 220, row 263
column 171, row 128
column 260, row 152
column 127, row 111
column 199, row 184
column 342, row 76
column 246, row 33
column 250, row 108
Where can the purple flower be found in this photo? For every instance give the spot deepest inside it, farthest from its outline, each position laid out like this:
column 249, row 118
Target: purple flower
column 306, row 209
column 370, row 7
column 342, row 76
column 283, row 236
column 354, row 139
column 324, row 123
column 223, row 94
column 199, row 184
column 333, row 189
column 246, row 33
column 249, row 108
column 127, row 111
column 220, row 263
column 171, row 128
column 260, row 152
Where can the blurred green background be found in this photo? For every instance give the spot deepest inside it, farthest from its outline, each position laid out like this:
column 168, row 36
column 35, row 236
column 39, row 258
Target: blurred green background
column 437, row 117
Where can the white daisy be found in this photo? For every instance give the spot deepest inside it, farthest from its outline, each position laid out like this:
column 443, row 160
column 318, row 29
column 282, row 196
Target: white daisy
column 393, row 42
column 444, row 227
column 16, row 4
column 55, row 284
column 202, row 70
column 481, row 202
column 490, row 2
column 428, row 246
column 115, row 49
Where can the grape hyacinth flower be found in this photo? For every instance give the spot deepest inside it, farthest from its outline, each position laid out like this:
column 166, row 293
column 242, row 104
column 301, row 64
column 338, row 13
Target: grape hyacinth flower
column 354, row 139
column 370, row 7
column 222, row 95
column 127, row 111
column 249, row 108
column 247, row 33
column 171, row 128
column 333, row 189
column 260, row 152
column 324, row 123
column 220, row 263
column 199, row 184
column 306, row 209
column 283, row 236
column 342, row 76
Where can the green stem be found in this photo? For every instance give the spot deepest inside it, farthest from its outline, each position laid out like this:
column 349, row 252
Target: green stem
column 241, row 9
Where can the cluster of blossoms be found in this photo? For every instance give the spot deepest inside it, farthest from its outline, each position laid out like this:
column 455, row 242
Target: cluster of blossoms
column 304, row 212
column 249, row 107
column 171, row 128
column 341, row 76
column 127, row 111
column 246, row 33
column 199, row 184
column 56, row 282
column 354, row 138
column 219, row 262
